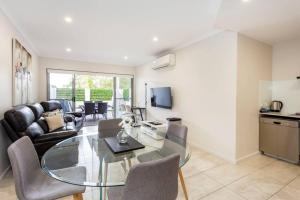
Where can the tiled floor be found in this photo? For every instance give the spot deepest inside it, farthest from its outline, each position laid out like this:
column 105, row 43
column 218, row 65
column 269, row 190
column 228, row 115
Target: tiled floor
column 211, row 178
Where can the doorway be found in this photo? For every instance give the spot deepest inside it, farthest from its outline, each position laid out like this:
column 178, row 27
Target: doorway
column 79, row 87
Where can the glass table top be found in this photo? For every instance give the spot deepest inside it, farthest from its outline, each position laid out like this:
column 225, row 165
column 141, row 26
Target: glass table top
column 87, row 160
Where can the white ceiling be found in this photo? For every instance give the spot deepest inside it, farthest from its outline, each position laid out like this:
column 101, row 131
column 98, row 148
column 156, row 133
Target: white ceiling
column 270, row 21
column 107, row 30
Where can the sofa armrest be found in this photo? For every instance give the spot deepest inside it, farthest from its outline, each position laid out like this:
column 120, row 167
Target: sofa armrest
column 61, row 135
column 69, row 118
column 75, row 114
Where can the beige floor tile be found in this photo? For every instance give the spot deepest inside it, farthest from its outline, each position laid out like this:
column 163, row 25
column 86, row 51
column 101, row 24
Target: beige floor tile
column 197, row 150
column 199, row 186
column 257, row 161
column 228, row 173
column 295, row 183
column 288, row 193
column 200, row 163
column 281, row 171
column 256, row 187
column 223, row 194
column 258, row 177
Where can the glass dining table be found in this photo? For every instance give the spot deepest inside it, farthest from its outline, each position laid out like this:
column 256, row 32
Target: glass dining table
column 86, row 160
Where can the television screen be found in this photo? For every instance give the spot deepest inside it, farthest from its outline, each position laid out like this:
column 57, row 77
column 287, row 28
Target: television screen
column 161, row 97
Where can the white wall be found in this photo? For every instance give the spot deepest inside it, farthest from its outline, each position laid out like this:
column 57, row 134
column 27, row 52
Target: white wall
column 286, row 67
column 7, row 33
column 77, row 66
column 204, row 92
column 254, row 67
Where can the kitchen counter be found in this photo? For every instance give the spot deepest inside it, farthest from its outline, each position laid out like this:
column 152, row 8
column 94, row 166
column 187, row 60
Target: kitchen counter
column 280, row 115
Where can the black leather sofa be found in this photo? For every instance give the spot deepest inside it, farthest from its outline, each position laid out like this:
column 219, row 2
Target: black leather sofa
column 28, row 121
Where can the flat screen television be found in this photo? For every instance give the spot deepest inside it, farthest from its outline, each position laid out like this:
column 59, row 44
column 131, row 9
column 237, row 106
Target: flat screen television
column 161, row 97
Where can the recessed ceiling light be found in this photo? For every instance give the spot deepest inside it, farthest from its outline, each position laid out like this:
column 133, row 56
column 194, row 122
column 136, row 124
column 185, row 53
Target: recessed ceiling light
column 125, row 58
column 155, row 39
column 245, row 0
column 154, row 61
column 68, row 20
column 68, row 49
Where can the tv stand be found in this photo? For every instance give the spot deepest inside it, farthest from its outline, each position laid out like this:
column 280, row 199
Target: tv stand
column 154, row 129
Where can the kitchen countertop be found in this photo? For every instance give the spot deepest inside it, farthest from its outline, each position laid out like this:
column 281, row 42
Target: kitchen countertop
column 280, row 114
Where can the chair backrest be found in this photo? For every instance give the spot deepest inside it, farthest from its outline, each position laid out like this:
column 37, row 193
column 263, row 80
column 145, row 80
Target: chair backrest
column 102, row 107
column 69, row 106
column 128, row 108
column 153, row 180
column 177, row 133
column 25, row 164
column 89, row 108
column 122, row 108
column 109, row 128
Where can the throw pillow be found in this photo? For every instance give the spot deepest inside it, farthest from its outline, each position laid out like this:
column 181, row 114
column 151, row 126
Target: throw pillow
column 54, row 122
column 54, row 112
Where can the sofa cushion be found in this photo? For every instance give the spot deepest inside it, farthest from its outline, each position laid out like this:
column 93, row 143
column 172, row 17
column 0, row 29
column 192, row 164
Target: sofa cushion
column 51, row 105
column 34, row 130
column 43, row 124
column 54, row 122
column 37, row 110
column 19, row 118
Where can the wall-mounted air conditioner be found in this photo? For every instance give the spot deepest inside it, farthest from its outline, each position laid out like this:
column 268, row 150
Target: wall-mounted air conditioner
column 163, row 62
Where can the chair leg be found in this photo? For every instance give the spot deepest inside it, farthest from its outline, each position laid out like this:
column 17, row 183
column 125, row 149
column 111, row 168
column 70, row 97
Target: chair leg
column 129, row 163
column 123, row 165
column 77, row 197
column 183, row 184
column 105, row 180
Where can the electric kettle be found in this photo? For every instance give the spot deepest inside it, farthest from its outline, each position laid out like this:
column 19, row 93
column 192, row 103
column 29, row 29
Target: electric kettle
column 276, row 106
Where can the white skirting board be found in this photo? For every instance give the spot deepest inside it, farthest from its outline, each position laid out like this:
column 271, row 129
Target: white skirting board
column 247, row 156
column 4, row 172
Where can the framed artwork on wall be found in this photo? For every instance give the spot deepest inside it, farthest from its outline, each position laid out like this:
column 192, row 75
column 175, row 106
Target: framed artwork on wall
column 22, row 64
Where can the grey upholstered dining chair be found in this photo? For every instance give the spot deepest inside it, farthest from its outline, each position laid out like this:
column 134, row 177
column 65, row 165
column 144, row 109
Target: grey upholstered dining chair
column 30, row 182
column 177, row 134
column 109, row 128
column 150, row 180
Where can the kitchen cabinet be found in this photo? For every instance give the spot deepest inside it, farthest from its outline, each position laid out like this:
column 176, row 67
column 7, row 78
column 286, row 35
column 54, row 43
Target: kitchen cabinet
column 279, row 137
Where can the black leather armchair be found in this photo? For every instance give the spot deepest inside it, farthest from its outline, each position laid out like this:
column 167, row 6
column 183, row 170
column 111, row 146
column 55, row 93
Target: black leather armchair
column 28, row 121
column 63, row 105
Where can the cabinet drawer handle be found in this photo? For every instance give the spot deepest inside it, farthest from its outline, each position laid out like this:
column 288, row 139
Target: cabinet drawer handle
column 276, row 122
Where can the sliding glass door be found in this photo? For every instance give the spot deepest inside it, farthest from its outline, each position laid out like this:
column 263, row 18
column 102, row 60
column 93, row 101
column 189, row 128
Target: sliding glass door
column 78, row 87
column 94, row 88
column 61, row 87
column 123, row 93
